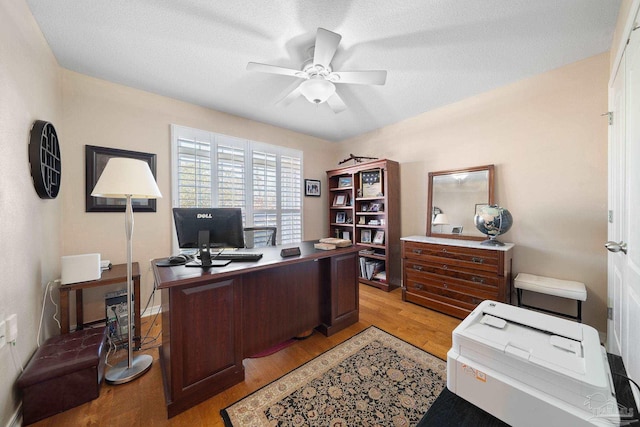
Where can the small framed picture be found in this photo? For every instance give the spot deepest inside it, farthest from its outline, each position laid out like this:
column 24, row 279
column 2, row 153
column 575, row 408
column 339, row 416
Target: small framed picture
column 456, row 230
column 376, row 207
column 312, row 187
column 341, row 218
column 378, row 239
column 345, row 181
column 364, row 207
column 340, row 200
column 365, row 236
column 346, row 235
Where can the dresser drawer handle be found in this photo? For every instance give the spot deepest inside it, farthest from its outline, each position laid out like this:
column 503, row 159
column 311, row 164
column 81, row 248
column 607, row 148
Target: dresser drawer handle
column 419, row 287
column 444, row 285
column 444, row 249
column 477, row 260
column 417, row 267
column 477, row 279
column 417, row 251
column 445, row 266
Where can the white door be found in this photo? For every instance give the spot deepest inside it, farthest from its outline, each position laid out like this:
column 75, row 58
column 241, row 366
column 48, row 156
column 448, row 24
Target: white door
column 616, row 209
column 624, row 268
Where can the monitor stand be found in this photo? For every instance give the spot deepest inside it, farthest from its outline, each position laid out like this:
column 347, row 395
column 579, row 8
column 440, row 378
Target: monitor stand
column 205, row 253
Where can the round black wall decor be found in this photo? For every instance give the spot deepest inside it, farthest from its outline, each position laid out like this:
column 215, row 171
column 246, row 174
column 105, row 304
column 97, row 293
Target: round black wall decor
column 44, row 157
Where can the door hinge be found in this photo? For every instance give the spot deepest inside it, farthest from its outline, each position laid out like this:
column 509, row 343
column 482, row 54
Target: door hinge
column 610, row 313
column 609, row 115
column 610, row 217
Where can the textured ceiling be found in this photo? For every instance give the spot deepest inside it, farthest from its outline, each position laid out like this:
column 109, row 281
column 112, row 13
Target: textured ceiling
column 435, row 51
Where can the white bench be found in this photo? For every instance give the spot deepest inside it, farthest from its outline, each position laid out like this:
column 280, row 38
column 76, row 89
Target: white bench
column 550, row 286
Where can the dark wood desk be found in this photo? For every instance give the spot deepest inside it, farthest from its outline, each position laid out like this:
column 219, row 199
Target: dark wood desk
column 213, row 319
column 116, row 274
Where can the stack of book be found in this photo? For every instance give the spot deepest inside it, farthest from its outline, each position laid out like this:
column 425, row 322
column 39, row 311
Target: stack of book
column 372, row 269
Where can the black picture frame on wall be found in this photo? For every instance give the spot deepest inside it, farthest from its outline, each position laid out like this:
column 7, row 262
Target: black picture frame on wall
column 96, row 159
column 312, row 187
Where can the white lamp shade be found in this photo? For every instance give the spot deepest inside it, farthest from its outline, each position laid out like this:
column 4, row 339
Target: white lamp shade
column 441, row 219
column 124, row 177
column 317, row 90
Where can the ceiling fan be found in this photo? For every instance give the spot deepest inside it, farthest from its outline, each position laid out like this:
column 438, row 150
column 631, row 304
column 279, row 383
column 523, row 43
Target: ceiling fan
column 319, row 78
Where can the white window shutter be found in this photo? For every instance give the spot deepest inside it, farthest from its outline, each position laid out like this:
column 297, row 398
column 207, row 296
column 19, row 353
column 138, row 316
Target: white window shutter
column 214, row 170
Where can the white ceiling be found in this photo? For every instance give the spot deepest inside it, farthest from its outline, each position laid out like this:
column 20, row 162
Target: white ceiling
column 435, row 51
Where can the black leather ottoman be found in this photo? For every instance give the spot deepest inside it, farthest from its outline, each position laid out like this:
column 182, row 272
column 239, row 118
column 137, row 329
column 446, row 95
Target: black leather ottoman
column 66, row 371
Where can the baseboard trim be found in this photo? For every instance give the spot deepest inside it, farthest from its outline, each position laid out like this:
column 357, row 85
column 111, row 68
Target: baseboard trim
column 16, row 418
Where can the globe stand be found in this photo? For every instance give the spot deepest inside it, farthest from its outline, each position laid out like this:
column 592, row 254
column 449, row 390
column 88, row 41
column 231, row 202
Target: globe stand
column 492, row 241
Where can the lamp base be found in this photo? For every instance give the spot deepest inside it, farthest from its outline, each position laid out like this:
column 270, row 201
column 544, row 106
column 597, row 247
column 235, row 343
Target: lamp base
column 121, row 373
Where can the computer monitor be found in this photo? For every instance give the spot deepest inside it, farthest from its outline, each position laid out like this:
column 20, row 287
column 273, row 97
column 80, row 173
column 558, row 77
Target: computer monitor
column 206, row 228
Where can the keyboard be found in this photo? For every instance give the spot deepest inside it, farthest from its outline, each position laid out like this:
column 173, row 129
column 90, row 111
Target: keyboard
column 237, row 256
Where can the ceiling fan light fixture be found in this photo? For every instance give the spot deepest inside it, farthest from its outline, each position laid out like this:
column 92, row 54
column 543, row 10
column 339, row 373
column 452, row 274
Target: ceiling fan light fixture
column 317, row 90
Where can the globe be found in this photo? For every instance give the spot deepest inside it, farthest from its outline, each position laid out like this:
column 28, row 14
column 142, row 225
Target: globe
column 493, row 221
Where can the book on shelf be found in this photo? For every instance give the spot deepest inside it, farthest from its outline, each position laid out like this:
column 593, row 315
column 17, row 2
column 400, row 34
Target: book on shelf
column 369, row 268
column 381, row 276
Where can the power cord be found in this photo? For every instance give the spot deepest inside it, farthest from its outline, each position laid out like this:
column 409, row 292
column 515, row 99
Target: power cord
column 113, row 335
column 150, row 300
column 628, row 379
column 144, row 341
column 637, row 387
column 112, row 348
column 48, row 289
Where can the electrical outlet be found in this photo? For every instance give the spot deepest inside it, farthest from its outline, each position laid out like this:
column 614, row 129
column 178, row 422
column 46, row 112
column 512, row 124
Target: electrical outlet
column 12, row 328
column 3, row 334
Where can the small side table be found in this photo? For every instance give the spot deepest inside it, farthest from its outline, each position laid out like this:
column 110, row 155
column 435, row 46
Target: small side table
column 116, row 274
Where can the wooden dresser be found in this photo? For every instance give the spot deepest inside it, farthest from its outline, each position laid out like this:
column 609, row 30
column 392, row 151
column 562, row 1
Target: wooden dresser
column 453, row 276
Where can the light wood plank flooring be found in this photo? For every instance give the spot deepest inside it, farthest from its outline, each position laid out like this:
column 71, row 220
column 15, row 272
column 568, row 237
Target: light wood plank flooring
column 141, row 402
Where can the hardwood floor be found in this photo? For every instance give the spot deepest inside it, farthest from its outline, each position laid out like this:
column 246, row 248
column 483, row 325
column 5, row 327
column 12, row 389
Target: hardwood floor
column 141, row 402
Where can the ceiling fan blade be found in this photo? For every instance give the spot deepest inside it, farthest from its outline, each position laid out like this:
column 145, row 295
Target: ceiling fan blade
column 291, row 96
column 371, row 77
column 326, row 46
column 274, row 69
column 336, row 103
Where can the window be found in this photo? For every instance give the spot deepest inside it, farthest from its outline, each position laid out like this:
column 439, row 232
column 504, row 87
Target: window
column 214, row 170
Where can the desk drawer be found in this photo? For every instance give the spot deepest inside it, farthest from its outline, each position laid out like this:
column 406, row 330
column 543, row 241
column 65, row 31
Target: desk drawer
column 470, row 258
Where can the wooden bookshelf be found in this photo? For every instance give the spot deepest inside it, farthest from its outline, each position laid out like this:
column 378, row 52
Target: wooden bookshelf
column 364, row 207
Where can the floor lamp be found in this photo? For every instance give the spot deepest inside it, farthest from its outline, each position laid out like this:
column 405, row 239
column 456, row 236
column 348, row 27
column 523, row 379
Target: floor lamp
column 125, row 178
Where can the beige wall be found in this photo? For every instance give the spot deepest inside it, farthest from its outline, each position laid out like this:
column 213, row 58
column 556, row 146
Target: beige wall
column 548, row 141
column 30, row 235
column 100, row 113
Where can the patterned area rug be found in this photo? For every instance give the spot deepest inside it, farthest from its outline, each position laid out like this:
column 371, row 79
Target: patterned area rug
column 372, row 379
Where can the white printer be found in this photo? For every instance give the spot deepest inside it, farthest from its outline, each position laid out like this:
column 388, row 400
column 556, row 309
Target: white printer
column 531, row 369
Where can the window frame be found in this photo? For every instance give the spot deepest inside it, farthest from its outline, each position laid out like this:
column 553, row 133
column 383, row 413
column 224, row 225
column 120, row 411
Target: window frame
column 249, row 146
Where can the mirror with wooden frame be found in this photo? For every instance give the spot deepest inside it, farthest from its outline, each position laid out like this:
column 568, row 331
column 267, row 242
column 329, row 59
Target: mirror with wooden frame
column 454, row 197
